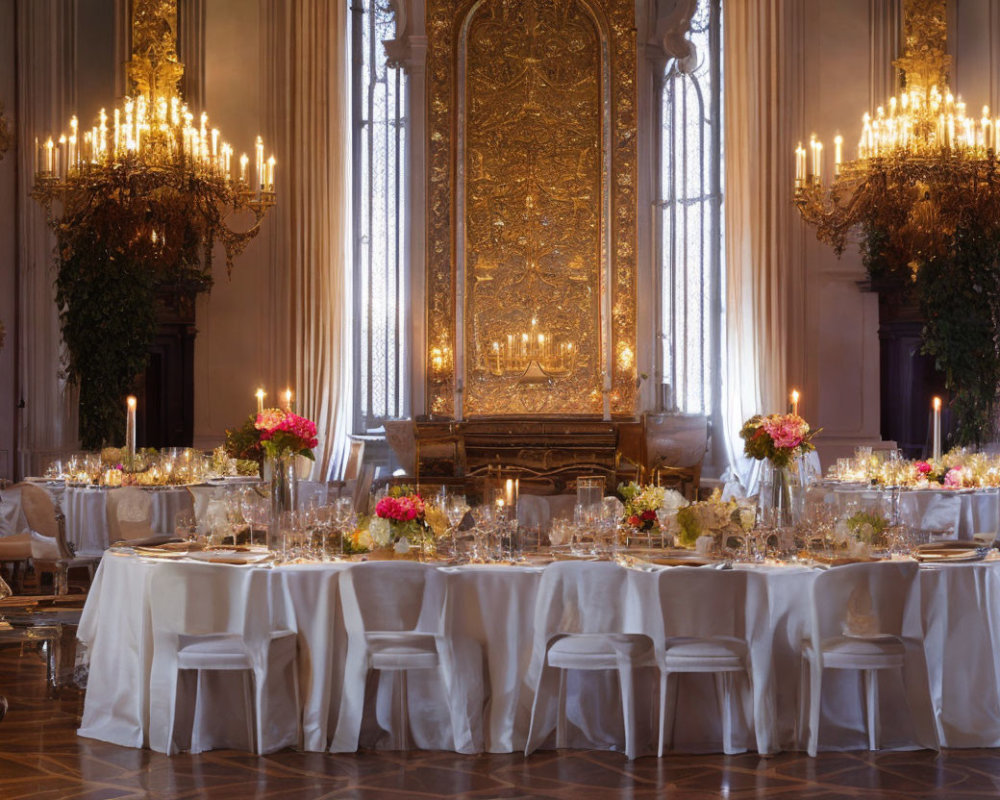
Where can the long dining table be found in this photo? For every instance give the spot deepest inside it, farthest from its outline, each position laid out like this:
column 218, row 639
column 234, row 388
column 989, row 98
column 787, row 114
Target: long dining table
column 953, row 615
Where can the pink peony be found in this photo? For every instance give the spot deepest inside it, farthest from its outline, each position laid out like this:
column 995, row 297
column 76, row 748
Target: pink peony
column 954, row 478
column 786, row 431
column 923, row 467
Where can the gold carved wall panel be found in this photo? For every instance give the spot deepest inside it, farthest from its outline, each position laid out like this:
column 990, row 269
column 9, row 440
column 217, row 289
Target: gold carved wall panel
column 531, row 207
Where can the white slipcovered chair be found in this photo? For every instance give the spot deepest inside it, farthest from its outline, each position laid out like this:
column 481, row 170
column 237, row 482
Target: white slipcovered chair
column 581, row 624
column 50, row 552
column 15, row 539
column 394, row 613
column 709, row 635
column 533, row 512
column 938, row 513
column 209, row 507
column 208, row 617
column 857, row 614
column 130, row 516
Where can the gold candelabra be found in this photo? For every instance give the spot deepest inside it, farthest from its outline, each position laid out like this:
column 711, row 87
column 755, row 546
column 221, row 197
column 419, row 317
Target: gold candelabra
column 530, row 355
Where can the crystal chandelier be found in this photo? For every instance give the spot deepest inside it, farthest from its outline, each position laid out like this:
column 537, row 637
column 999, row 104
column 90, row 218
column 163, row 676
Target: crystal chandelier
column 924, row 163
column 154, row 153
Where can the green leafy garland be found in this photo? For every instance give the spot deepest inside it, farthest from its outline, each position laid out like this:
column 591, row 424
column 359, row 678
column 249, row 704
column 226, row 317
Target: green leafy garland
column 122, row 243
column 958, row 292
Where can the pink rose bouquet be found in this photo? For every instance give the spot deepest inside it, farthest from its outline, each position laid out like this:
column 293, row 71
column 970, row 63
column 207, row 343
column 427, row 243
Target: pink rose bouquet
column 405, row 520
column 284, row 433
column 779, row 438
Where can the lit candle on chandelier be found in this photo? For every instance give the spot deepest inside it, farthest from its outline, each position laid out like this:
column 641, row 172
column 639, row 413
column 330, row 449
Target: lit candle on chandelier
column 936, row 405
column 288, row 399
column 260, row 401
column 795, row 401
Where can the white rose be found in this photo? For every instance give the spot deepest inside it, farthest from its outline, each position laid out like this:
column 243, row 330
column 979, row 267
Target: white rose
column 380, row 532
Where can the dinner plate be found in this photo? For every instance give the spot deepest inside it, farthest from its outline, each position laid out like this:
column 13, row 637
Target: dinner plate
column 155, row 552
column 949, row 555
column 229, row 557
column 871, row 637
column 681, row 560
column 236, row 480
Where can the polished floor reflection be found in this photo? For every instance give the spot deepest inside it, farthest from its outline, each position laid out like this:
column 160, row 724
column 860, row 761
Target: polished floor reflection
column 41, row 757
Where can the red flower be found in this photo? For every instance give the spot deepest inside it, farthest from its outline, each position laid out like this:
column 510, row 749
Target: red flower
column 647, row 515
column 634, row 521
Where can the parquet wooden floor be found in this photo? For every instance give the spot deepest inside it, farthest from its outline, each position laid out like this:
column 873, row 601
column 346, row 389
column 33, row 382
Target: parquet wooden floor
column 41, row 758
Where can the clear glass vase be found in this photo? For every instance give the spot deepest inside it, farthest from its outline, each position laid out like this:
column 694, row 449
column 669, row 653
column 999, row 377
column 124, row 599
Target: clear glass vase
column 781, row 495
column 284, row 496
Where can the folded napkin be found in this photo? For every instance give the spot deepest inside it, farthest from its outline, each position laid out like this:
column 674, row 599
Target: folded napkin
column 164, row 542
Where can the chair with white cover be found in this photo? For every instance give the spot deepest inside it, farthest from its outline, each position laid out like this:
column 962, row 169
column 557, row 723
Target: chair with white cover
column 209, row 617
column 857, row 613
column 130, row 515
column 394, row 613
column 533, row 512
column 209, row 507
column 580, row 624
column 707, row 636
column 50, row 552
column 15, row 540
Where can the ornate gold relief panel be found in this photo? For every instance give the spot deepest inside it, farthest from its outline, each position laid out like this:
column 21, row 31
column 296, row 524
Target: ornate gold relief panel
column 531, row 240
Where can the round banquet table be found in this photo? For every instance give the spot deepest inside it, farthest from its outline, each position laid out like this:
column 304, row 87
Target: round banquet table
column 962, row 513
column 86, row 510
column 494, row 607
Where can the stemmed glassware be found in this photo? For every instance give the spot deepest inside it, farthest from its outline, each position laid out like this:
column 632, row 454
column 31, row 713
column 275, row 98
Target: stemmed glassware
column 344, row 519
column 256, row 510
column 455, row 509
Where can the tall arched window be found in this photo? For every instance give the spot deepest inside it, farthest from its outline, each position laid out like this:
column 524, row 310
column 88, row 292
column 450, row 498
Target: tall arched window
column 379, row 142
column 691, row 232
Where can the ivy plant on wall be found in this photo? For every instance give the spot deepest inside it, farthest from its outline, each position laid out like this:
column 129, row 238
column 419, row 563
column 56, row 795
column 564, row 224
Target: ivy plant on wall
column 957, row 288
column 119, row 247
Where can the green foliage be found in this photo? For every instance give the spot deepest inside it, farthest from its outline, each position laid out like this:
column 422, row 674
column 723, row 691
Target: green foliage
column 244, row 442
column 960, row 298
column 123, row 240
column 958, row 291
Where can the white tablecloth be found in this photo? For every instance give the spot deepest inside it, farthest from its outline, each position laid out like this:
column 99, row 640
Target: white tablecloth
column 963, row 513
column 495, row 607
column 86, row 511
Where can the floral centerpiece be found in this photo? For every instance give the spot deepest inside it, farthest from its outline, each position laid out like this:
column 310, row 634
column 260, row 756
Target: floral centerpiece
column 641, row 504
column 723, row 520
column 243, row 443
column 283, row 433
column 403, row 521
column 778, row 438
column 283, row 436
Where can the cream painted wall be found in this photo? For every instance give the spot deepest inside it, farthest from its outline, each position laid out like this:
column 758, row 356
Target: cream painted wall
column 237, row 325
column 838, row 368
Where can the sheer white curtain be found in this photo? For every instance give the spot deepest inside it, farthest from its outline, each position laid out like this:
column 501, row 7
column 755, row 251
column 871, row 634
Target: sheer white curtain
column 763, row 292
column 308, row 91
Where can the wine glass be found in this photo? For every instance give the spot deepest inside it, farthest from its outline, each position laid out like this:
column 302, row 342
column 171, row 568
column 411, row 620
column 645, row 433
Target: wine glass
column 455, row 509
column 256, row 511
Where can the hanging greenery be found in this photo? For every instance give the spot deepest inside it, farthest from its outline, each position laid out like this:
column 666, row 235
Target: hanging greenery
column 957, row 289
column 121, row 243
